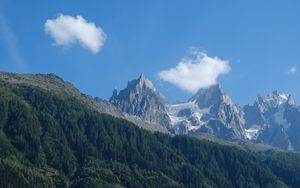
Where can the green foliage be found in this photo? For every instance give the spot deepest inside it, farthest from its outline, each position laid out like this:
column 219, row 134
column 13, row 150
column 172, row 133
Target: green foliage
column 284, row 165
column 50, row 139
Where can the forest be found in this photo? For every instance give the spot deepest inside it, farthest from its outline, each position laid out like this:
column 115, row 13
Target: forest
column 52, row 139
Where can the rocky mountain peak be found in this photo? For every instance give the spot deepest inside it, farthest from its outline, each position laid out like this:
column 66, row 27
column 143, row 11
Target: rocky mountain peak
column 142, row 83
column 272, row 118
column 274, row 100
column 114, row 94
column 259, row 99
column 209, row 111
column 141, row 99
column 213, row 95
column 139, row 86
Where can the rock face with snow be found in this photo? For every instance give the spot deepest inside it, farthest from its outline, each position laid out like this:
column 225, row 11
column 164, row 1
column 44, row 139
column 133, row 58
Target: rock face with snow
column 209, row 111
column 141, row 99
column 272, row 119
column 186, row 117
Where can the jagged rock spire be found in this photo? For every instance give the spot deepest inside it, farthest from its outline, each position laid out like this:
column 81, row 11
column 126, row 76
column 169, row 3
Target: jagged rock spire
column 114, row 94
column 141, row 99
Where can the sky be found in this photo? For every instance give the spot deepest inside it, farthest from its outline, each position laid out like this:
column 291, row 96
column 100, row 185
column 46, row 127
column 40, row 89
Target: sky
column 248, row 47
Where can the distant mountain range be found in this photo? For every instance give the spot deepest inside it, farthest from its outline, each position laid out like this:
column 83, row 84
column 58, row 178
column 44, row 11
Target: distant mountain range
column 273, row 119
column 51, row 135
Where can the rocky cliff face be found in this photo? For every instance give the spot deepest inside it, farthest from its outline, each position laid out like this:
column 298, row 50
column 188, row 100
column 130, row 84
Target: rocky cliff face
column 209, row 111
column 272, row 120
column 141, row 99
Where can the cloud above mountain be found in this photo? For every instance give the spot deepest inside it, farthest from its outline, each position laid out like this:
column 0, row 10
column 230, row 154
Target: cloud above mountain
column 67, row 30
column 196, row 71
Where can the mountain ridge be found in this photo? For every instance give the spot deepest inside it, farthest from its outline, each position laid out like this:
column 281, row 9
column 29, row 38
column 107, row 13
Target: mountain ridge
column 57, row 140
column 55, row 83
column 214, row 113
column 54, row 139
column 211, row 111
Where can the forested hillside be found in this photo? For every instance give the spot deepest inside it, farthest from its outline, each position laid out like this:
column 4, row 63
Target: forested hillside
column 52, row 139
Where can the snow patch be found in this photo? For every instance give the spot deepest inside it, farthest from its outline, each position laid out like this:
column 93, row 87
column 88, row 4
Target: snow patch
column 283, row 96
column 196, row 114
column 251, row 133
column 277, row 98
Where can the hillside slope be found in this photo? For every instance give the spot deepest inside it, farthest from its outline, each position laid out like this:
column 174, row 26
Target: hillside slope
column 52, row 82
column 50, row 138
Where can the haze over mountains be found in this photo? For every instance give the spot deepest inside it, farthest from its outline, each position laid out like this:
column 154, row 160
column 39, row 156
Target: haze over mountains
column 273, row 119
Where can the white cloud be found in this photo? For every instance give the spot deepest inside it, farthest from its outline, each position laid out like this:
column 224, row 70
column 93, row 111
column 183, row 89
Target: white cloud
column 292, row 71
column 196, row 72
column 67, row 30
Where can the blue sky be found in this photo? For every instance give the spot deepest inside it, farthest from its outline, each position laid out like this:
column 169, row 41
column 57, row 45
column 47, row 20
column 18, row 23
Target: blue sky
column 259, row 39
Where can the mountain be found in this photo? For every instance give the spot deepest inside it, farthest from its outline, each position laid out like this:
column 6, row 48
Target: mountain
column 209, row 111
column 274, row 120
column 141, row 99
column 52, row 138
column 52, row 82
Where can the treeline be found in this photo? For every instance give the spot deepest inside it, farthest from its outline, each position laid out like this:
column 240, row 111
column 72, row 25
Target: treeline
column 50, row 139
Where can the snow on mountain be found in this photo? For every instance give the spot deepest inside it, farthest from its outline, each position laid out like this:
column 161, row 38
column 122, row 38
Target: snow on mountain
column 209, row 111
column 273, row 100
column 273, row 119
column 187, row 114
column 276, row 98
column 252, row 133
